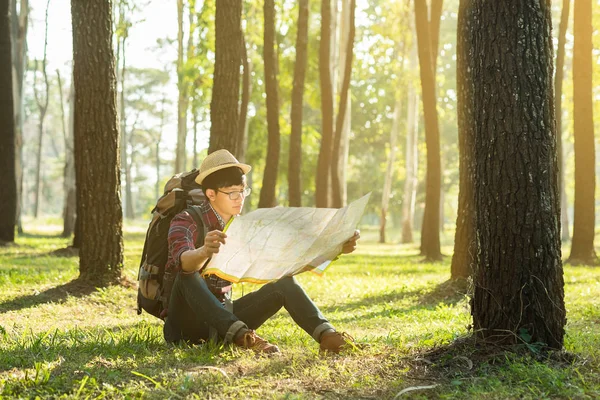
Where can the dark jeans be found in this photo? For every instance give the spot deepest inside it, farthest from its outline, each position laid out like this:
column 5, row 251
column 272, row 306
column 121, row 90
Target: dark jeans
column 193, row 309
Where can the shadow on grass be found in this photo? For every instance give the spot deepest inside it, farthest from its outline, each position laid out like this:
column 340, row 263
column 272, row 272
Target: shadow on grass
column 58, row 294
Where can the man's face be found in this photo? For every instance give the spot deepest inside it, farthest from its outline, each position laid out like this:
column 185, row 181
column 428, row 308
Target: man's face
column 228, row 201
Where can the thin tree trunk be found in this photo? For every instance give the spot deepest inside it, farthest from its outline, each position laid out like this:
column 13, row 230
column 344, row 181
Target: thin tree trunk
column 518, row 280
column 246, row 92
column 463, row 258
column 558, row 80
column 389, row 173
column 295, row 157
column 8, row 181
column 158, row 190
column 267, row 192
column 224, row 104
column 324, row 160
column 100, row 213
column 410, row 182
column 336, row 181
column 430, row 234
column 582, row 247
column 182, row 103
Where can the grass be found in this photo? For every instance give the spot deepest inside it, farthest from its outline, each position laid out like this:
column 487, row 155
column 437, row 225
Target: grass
column 58, row 340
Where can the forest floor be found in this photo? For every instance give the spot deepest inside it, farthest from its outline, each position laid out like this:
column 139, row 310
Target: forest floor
column 62, row 340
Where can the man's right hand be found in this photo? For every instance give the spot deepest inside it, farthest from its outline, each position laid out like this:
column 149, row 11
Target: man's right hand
column 212, row 243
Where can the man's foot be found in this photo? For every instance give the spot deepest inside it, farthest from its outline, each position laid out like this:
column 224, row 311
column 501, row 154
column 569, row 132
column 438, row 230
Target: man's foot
column 336, row 342
column 250, row 340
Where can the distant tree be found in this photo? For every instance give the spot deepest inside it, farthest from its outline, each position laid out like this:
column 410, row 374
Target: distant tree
column 322, row 191
column 246, row 92
column 226, row 87
column 336, row 151
column 182, row 102
column 464, row 237
column 19, row 25
column 295, row 157
column 427, row 45
column 267, row 192
column 518, row 277
column 8, row 178
column 558, row 80
column 96, row 143
column 582, row 247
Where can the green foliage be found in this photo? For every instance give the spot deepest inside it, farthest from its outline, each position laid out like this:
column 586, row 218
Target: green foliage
column 57, row 344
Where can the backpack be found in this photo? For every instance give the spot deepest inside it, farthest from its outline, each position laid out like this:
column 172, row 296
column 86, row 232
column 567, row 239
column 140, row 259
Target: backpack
column 154, row 284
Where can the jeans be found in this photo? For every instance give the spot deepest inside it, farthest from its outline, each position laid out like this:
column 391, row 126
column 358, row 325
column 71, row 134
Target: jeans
column 193, row 309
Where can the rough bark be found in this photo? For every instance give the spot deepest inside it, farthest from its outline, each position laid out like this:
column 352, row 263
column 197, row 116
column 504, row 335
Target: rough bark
column 558, row 80
column 226, row 84
column 322, row 189
column 100, row 215
column 336, row 181
column 8, row 178
column 518, row 277
column 295, row 157
column 582, row 247
column 464, row 237
column 430, row 233
column 267, row 192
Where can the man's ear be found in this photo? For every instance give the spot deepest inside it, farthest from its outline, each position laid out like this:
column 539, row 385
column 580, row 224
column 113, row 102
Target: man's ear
column 211, row 194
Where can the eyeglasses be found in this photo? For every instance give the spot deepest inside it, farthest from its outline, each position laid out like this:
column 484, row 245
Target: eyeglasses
column 236, row 194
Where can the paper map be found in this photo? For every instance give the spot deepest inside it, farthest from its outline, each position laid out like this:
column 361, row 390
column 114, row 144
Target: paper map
column 270, row 243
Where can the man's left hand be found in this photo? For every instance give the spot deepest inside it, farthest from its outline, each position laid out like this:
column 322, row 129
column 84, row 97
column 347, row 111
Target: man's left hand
column 350, row 245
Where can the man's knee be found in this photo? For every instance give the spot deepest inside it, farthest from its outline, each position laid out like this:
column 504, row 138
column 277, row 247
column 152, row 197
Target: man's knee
column 287, row 283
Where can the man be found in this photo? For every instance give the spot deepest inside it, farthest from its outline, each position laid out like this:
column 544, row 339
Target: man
column 199, row 303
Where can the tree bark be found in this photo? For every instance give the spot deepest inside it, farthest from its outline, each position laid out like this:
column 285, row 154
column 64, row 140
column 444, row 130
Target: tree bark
column 8, row 178
column 582, row 247
column 267, row 192
column 182, row 100
column 322, row 189
column 430, row 234
column 226, row 84
column 464, row 238
column 295, row 157
column 100, row 214
column 336, row 181
column 558, row 80
column 518, row 277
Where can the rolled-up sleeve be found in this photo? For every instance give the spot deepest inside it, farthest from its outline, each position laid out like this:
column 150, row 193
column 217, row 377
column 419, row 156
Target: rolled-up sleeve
column 182, row 237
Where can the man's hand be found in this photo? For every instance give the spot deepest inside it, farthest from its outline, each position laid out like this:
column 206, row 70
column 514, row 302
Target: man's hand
column 212, row 243
column 350, row 245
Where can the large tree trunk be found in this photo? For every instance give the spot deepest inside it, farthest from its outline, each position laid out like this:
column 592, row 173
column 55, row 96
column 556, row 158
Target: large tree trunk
column 518, row 276
column 69, row 170
column 430, row 232
column 226, row 84
column 464, row 237
column 182, row 100
column 19, row 25
column 558, row 80
column 100, row 216
column 295, row 157
column 582, row 247
column 322, row 189
column 336, row 181
column 8, row 179
column 267, row 192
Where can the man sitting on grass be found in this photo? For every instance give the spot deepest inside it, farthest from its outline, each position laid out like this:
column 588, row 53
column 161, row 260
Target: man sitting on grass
column 198, row 303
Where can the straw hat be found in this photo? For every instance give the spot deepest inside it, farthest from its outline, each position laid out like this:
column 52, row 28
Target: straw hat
column 220, row 159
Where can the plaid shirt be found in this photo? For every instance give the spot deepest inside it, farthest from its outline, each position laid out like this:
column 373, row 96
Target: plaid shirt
column 183, row 234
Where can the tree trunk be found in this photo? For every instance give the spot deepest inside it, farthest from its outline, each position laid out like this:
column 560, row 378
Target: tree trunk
column 464, row 237
column 389, row 173
column 518, row 276
column 100, row 215
column 267, row 192
column 430, row 232
column 558, row 80
column 295, row 157
column 8, row 178
column 19, row 25
column 412, row 153
column 182, row 100
column 322, row 189
column 125, row 137
column 226, row 84
column 582, row 247
column 242, row 140
column 336, row 181
column 158, row 191
column 69, row 170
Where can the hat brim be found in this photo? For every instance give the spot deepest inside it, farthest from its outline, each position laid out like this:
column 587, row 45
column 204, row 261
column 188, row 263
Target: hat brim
column 201, row 176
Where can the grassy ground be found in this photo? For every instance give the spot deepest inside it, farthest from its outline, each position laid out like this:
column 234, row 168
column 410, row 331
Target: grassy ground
column 58, row 340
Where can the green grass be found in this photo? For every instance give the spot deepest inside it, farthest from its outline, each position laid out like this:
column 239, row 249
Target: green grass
column 59, row 341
